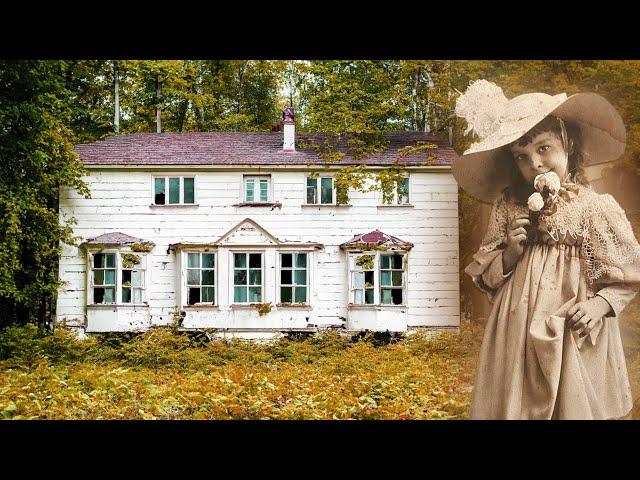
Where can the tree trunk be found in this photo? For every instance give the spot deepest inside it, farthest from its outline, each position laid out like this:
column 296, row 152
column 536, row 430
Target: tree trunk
column 158, row 92
column 116, row 93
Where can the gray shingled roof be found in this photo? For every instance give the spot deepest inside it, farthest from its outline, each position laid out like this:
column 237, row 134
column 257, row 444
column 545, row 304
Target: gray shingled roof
column 243, row 148
column 115, row 238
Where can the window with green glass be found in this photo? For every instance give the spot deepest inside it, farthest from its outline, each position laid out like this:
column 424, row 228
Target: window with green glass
column 247, row 277
column 103, row 277
column 392, row 279
column 362, row 273
column 174, row 190
column 320, row 190
column 312, row 190
column 133, row 280
column 201, row 278
column 294, row 281
column 256, row 189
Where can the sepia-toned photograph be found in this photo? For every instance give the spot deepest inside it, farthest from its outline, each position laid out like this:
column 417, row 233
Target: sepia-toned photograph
column 319, row 239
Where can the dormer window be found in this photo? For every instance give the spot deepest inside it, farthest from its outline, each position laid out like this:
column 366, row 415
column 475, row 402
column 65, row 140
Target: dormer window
column 174, row 190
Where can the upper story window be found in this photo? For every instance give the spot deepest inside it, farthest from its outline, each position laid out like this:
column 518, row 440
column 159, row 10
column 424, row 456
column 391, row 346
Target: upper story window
column 377, row 278
column 257, row 189
column 294, row 280
column 320, row 190
column 399, row 195
column 174, row 190
column 201, row 278
column 117, row 278
column 247, row 277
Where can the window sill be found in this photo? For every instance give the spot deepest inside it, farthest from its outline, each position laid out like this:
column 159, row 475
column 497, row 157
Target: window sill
column 174, row 205
column 403, row 205
column 297, row 306
column 258, row 204
column 339, row 205
column 375, row 307
column 117, row 305
column 200, row 306
column 244, row 306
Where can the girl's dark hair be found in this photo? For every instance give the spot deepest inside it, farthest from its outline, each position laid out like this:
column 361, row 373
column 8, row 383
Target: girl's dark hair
column 572, row 142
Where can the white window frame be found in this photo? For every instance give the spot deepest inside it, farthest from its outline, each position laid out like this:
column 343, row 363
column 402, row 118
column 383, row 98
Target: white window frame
column 232, row 282
column 292, row 269
column 395, row 199
column 318, row 180
column 166, row 189
column 256, row 188
column 403, row 287
column 377, row 287
column 144, row 297
column 185, row 276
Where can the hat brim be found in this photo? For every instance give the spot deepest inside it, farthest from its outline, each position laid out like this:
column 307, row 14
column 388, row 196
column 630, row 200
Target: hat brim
column 484, row 174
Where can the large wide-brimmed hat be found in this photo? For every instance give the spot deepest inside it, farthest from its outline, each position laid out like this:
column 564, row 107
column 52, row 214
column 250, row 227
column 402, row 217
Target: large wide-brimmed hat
column 487, row 167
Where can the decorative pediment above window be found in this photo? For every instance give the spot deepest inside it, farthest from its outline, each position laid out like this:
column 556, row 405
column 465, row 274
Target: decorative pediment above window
column 248, row 233
column 117, row 239
column 376, row 240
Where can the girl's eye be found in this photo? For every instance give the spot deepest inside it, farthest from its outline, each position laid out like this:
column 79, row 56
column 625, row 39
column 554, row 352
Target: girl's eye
column 544, row 148
column 521, row 158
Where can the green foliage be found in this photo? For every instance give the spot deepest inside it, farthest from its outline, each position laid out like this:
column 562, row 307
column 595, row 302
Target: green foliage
column 365, row 261
column 262, row 308
column 130, row 260
column 141, row 247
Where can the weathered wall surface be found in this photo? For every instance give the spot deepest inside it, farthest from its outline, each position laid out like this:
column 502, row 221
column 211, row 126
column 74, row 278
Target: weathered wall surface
column 121, row 202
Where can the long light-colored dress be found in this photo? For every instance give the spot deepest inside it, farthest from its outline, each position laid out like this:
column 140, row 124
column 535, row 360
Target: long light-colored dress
column 532, row 366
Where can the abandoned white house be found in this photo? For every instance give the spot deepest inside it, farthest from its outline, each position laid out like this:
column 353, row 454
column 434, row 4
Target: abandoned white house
column 242, row 232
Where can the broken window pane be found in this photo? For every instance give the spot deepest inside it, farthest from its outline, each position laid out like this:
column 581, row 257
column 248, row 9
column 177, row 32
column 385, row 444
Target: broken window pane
column 396, row 295
column 159, row 198
column 98, row 260
column 98, row 277
column 126, row 278
column 403, row 191
column 174, row 190
column 326, row 190
column 397, row 279
column 255, row 260
column 189, row 190
column 285, row 277
column 285, row 295
column 98, row 295
column 285, row 260
column 397, row 262
column 194, row 295
column 369, row 278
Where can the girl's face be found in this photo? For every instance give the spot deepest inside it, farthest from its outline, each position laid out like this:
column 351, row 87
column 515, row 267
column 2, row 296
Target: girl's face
column 545, row 153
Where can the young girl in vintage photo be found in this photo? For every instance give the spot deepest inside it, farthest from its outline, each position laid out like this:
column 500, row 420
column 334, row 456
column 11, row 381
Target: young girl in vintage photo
column 559, row 261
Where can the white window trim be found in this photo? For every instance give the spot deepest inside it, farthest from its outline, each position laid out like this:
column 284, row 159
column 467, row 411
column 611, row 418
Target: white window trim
column 256, row 188
column 377, row 300
column 319, row 203
column 166, row 189
column 118, row 268
column 394, row 201
column 278, row 276
column 184, row 276
column 232, row 301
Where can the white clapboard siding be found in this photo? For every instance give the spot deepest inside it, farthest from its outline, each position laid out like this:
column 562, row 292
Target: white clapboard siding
column 121, row 201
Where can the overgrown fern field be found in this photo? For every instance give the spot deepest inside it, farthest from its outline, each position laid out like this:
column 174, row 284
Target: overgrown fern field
column 165, row 375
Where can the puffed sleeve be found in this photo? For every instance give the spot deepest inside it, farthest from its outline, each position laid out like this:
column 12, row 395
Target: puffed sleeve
column 612, row 255
column 486, row 269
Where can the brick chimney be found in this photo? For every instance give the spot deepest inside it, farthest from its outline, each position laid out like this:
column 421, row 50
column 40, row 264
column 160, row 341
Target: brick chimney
column 289, row 144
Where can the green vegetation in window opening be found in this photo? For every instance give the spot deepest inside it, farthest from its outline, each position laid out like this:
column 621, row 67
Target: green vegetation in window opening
column 368, row 285
column 130, row 260
column 365, row 261
column 262, row 308
column 141, row 247
column 126, row 284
